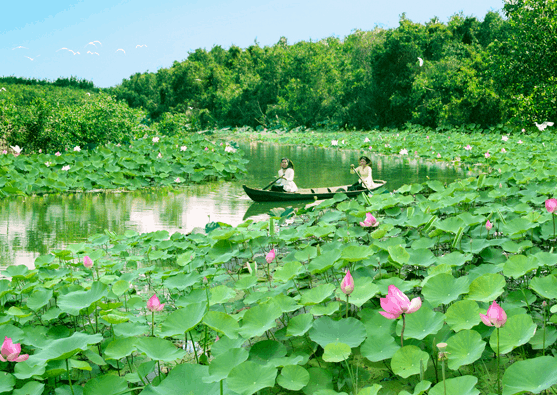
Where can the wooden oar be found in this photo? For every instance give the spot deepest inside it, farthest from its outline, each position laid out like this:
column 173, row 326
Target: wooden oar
column 265, row 187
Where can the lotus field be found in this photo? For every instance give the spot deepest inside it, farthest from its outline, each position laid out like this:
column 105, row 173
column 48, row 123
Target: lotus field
column 430, row 289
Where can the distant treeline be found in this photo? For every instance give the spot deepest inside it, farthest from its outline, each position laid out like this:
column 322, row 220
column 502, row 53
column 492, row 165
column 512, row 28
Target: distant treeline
column 467, row 71
column 72, row 82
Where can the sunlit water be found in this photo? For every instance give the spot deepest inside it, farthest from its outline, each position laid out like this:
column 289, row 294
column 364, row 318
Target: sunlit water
column 36, row 225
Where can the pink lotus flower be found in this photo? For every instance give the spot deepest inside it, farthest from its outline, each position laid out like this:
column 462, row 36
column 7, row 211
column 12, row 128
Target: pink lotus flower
column 347, row 284
column 10, row 351
column 270, row 256
column 488, row 225
column 369, row 221
column 87, row 262
column 58, row 153
column 496, row 316
column 155, row 139
column 487, row 155
column 154, row 304
column 551, row 205
column 505, row 138
column 503, row 150
column 397, row 303
column 468, row 147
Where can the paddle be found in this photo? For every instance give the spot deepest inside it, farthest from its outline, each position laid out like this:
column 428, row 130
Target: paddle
column 265, row 187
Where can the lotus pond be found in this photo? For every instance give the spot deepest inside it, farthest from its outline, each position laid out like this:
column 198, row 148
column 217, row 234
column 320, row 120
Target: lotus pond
column 386, row 294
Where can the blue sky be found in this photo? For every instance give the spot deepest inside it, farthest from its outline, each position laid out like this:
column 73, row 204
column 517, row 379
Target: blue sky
column 107, row 41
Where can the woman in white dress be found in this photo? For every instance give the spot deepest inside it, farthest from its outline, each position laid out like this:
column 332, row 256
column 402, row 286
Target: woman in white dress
column 286, row 177
column 365, row 179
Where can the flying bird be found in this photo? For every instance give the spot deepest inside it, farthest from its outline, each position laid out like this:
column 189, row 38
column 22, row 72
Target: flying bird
column 91, row 43
column 421, row 61
column 97, row 41
column 542, row 126
column 19, row 47
column 120, row 49
column 30, row 58
column 140, row 46
column 93, row 53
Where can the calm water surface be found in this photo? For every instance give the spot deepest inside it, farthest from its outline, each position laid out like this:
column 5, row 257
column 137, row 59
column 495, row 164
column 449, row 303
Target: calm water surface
column 36, row 225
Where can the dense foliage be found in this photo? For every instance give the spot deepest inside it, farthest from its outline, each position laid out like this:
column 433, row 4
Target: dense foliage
column 268, row 307
column 473, row 72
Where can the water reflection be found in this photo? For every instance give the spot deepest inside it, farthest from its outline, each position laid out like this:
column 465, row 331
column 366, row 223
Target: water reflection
column 32, row 226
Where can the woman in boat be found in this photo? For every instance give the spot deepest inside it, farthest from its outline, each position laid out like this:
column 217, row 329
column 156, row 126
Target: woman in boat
column 365, row 179
column 286, row 177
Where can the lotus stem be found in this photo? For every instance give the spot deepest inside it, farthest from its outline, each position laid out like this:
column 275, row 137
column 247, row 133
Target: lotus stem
column 443, row 372
column 69, row 378
column 553, row 217
column 498, row 373
column 402, row 331
column 347, row 304
column 193, row 345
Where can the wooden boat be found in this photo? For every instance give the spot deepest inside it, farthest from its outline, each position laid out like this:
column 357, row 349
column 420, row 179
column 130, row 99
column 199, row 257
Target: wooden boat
column 260, row 195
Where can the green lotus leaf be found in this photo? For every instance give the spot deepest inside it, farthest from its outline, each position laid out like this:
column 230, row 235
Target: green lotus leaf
column 464, row 385
column 517, row 331
column 319, row 379
column 464, row 348
column 399, row 254
column 329, row 309
column 516, row 248
column 259, row 319
column 246, row 282
column 299, row 325
column 450, row 225
column 30, row 388
column 421, row 257
column 183, row 320
column 406, row 361
column 404, row 286
column 532, row 375
column 464, row 314
column 422, row 323
column 379, row 347
column 373, row 390
column 23, row 370
column 517, row 227
column 444, row 289
column 182, row 281
column 347, row 330
column 7, row 382
column 455, row 258
column 376, row 324
column 73, row 302
column 39, row 299
column 184, row 379
column 130, row 329
column 356, row 253
column 266, row 350
column 159, row 349
column 520, row 298
column 308, row 253
column 221, row 294
column 114, row 316
column 336, row 352
column 224, row 344
column 423, row 243
column 107, row 384
column 64, row 348
column 293, row 377
column 222, row 364
column 317, row 294
column 120, row 348
column 120, row 287
column 364, row 290
column 324, row 262
column 518, row 265
column 285, row 303
column 249, row 377
column 288, row 271
column 546, row 286
column 16, row 271
column 487, row 288
column 542, row 340
column 546, row 258
column 222, row 323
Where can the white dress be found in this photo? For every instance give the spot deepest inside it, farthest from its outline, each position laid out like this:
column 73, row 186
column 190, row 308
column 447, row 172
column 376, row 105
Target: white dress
column 288, row 182
column 365, row 174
